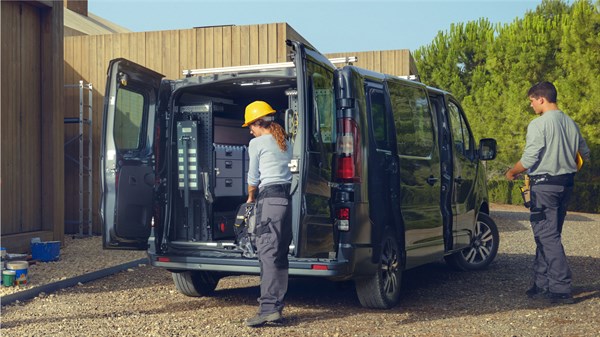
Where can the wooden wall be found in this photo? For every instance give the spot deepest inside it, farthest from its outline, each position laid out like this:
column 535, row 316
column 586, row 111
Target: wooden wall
column 31, row 123
column 392, row 62
column 167, row 52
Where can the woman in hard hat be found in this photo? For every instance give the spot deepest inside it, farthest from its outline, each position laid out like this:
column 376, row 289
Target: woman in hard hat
column 268, row 172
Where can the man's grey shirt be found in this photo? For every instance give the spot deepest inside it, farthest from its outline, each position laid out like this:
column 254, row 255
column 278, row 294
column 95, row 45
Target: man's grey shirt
column 268, row 164
column 553, row 140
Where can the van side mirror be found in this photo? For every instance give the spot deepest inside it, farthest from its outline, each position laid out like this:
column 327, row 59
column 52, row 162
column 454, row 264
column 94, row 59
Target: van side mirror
column 487, row 149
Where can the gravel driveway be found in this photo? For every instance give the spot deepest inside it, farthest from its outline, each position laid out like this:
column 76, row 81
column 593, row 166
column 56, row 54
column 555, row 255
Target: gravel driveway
column 437, row 301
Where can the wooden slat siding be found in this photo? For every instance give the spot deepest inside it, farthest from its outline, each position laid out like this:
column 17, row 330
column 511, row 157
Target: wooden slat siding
column 272, row 40
column 218, row 47
column 282, row 48
column 236, row 46
column 254, row 47
column 187, row 49
column 263, row 44
column 30, row 114
column 170, row 66
column 227, row 51
column 392, row 62
column 209, row 52
column 245, row 45
column 200, row 41
column 9, row 130
column 153, row 51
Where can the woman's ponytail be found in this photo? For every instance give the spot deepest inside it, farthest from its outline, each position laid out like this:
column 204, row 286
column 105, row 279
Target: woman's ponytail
column 279, row 135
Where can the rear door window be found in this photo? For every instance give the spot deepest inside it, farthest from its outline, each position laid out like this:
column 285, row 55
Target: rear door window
column 129, row 118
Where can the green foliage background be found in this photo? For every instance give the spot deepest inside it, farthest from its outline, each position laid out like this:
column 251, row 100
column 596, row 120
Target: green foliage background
column 491, row 67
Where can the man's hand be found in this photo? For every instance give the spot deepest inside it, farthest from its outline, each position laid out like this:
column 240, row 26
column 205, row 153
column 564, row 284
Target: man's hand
column 514, row 172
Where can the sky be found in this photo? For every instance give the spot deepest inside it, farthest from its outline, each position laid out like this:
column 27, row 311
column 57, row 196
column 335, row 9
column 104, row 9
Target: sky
column 329, row 25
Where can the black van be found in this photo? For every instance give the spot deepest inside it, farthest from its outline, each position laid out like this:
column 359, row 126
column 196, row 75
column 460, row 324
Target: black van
column 386, row 172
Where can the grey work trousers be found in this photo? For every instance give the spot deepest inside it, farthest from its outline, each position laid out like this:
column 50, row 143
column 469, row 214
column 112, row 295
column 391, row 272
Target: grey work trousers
column 274, row 235
column 548, row 210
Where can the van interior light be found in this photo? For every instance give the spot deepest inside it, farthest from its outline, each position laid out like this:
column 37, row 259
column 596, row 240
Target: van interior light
column 259, row 82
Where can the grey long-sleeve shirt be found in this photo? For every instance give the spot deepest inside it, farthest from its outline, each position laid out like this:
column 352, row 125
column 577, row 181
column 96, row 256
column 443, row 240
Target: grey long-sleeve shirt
column 553, row 140
column 268, row 164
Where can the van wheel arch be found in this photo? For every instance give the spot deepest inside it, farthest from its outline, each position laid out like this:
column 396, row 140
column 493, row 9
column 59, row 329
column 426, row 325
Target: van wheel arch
column 382, row 289
column 483, row 248
column 195, row 283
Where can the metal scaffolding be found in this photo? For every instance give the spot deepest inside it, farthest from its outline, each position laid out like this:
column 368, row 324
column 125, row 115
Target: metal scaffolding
column 85, row 157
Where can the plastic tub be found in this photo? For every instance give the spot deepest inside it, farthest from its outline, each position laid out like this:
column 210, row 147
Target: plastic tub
column 45, row 251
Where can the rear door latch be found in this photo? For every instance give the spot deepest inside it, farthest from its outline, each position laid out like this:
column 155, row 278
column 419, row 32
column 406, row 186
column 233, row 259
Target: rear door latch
column 293, row 165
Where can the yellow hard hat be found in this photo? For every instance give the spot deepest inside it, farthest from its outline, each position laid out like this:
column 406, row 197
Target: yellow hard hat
column 256, row 110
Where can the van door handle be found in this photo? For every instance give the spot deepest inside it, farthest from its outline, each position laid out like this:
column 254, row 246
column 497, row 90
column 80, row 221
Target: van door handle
column 432, row 180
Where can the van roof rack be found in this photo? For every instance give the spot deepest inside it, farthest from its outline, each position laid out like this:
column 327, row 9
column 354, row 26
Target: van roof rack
column 416, row 78
column 268, row 66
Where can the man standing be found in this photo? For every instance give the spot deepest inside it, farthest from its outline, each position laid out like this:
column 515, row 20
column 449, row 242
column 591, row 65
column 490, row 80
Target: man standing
column 553, row 140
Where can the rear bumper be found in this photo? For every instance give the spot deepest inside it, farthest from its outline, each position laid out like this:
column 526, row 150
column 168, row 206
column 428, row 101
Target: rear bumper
column 298, row 267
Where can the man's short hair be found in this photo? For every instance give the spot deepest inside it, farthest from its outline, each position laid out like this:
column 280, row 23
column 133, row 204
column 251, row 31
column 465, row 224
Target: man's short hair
column 543, row 89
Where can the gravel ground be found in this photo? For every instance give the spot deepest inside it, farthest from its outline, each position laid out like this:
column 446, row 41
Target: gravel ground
column 436, row 301
column 78, row 256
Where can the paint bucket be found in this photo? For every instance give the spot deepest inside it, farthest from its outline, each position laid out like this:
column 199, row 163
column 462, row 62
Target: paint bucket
column 20, row 268
column 8, row 278
column 45, row 251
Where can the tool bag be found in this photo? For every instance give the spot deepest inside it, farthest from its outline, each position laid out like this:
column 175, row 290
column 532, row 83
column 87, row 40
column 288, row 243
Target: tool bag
column 244, row 226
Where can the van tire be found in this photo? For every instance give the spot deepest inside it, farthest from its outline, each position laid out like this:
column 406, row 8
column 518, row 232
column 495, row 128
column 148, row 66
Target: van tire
column 382, row 290
column 195, row 283
column 483, row 248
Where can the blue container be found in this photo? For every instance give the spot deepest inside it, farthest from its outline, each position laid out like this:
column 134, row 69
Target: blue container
column 45, row 251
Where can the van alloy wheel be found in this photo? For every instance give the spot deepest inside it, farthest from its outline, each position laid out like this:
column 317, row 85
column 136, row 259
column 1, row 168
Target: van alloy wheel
column 382, row 290
column 483, row 248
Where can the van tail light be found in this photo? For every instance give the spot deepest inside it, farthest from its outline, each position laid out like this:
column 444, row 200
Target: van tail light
column 343, row 219
column 348, row 151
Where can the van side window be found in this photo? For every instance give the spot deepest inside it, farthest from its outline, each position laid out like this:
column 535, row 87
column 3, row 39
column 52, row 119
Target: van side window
column 462, row 138
column 412, row 118
column 129, row 117
column 378, row 119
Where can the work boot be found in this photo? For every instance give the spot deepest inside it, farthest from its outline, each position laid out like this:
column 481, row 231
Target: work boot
column 560, row 298
column 261, row 319
column 536, row 292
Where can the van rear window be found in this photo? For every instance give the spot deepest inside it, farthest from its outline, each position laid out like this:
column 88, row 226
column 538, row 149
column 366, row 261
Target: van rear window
column 129, row 114
column 413, row 120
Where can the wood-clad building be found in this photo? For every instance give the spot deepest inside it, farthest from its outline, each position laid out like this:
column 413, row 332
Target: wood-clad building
column 31, row 123
column 393, row 62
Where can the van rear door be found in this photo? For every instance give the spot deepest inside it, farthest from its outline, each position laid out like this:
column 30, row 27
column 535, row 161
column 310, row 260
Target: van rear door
column 127, row 155
column 313, row 148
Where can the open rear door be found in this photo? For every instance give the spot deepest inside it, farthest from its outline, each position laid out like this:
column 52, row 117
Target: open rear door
column 127, row 155
column 313, row 148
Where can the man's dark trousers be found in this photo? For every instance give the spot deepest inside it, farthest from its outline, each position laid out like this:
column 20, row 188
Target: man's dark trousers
column 548, row 211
